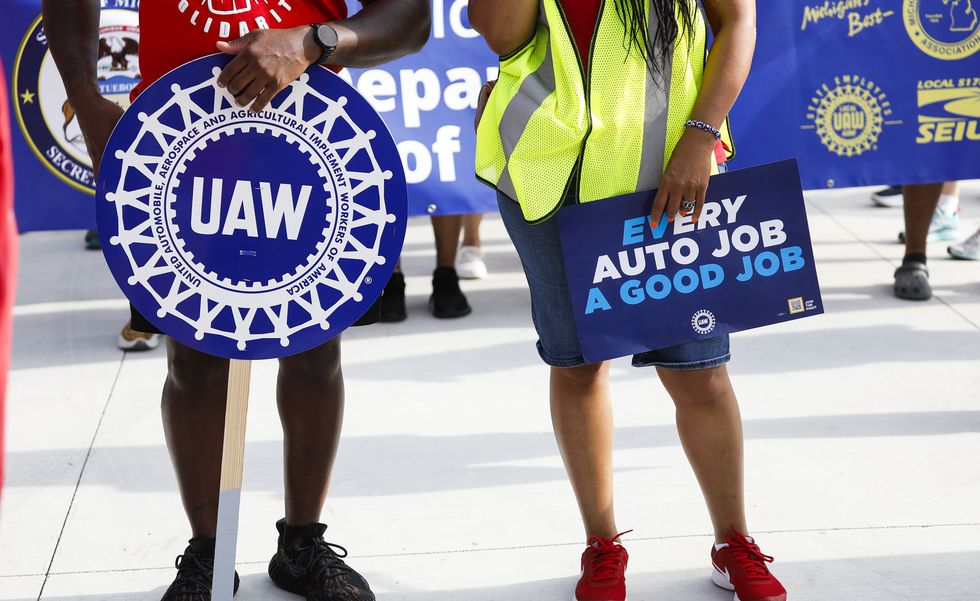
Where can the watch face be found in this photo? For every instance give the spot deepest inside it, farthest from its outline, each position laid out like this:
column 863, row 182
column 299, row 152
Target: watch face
column 327, row 36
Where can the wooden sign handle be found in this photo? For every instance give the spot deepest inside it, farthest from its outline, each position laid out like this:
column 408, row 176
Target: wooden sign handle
column 230, row 495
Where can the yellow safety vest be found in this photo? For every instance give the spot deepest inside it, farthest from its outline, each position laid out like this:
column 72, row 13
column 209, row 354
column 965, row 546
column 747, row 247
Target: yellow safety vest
column 551, row 132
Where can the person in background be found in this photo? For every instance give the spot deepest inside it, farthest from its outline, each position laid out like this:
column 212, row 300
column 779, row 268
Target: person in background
column 945, row 222
column 453, row 263
column 967, row 250
column 8, row 253
column 470, row 263
column 310, row 392
column 543, row 145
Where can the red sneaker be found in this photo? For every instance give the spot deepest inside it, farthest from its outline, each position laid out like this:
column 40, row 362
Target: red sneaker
column 603, row 571
column 740, row 566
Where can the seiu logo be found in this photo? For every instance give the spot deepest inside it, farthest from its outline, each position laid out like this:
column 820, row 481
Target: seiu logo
column 279, row 209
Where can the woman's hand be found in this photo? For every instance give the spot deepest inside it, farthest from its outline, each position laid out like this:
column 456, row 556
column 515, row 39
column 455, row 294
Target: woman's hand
column 266, row 61
column 686, row 177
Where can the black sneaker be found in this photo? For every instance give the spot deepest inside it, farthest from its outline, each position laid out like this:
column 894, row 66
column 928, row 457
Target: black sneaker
column 195, row 571
column 312, row 567
column 393, row 300
column 447, row 300
column 92, row 241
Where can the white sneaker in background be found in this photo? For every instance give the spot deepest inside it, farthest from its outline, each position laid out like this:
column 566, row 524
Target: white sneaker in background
column 968, row 250
column 131, row 340
column 470, row 264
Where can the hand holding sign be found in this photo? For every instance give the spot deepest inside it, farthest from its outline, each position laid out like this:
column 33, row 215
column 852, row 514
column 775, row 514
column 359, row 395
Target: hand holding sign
column 250, row 235
column 685, row 178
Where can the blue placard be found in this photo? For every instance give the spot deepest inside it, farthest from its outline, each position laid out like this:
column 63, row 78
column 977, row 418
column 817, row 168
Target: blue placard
column 245, row 235
column 747, row 263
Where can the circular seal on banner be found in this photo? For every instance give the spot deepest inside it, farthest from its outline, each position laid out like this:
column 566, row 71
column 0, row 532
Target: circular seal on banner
column 703, row 322
column 849, row 116
column 248, row 235
column 47, row 119
column 944, row 29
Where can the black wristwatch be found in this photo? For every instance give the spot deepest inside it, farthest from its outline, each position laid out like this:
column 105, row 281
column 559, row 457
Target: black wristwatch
column 326, row 38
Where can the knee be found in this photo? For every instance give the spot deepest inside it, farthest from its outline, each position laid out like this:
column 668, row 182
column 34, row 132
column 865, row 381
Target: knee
column 701, row 389
column 581, row 376
column 319, row 364
column 191, row 371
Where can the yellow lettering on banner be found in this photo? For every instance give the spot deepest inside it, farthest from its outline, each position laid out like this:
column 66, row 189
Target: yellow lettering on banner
column 851, row 11
column 859, row 23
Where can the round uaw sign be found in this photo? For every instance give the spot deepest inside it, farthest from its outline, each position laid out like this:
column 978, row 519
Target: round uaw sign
column 250, row 235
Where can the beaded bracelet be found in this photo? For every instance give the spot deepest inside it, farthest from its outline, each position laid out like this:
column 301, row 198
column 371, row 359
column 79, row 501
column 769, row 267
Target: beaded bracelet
column 704, row 126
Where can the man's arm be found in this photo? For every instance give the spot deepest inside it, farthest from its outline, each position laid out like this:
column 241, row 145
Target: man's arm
column 505, row 24
column 72, row 29
column 267, row 61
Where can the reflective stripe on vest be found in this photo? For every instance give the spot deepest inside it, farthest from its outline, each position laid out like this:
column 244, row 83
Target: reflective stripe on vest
column 544, row 131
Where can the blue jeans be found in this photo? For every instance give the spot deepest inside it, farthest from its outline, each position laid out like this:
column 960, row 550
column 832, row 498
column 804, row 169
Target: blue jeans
column 539, row 248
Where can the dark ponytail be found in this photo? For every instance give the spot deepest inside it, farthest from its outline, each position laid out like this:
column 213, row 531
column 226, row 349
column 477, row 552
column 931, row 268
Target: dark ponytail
column 656, row 51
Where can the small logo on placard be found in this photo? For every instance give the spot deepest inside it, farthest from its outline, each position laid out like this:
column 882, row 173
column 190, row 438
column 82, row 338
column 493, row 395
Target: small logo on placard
column 849, row 115
column 796, row 305
column 47, row 119
column 944, row 29
column 703, row 321
column 251, row 235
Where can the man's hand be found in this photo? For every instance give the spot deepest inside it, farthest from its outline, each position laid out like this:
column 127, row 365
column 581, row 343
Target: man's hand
column 97, row 118
column 686, row 177
column 266, row 61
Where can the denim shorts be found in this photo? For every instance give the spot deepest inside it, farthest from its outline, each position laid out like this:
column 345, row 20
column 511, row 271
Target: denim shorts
column 539, row 248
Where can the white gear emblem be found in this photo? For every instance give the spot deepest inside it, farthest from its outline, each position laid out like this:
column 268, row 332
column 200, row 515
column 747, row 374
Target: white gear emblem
column 331, row 263
column 703, row 322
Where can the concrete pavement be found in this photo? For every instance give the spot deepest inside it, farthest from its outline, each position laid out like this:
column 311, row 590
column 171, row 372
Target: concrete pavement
column 862, row 428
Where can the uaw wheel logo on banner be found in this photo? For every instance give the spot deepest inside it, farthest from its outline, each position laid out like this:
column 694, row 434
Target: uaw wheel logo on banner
column 249, row 235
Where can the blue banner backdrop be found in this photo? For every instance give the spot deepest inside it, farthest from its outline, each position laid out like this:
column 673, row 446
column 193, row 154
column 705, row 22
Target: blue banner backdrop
column 747, row 263
column 429, row 102
column 862, row 91
column 54, row 180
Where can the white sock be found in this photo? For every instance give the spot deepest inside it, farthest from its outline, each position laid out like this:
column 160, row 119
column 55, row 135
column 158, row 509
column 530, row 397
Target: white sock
column 720, row 546
column 949, row 204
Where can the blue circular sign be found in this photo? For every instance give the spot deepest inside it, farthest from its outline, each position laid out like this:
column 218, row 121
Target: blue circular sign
column 251, row 236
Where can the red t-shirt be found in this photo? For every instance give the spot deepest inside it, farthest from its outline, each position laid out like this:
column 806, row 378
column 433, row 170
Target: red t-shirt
column 582, row 16
column 173, row 32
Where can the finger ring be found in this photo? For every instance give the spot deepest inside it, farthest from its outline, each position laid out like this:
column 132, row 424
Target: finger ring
column 688, row 205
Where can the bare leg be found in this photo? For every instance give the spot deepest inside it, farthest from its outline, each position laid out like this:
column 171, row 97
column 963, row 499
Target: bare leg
column 193, row 407
column 581, row 412
column 311, row 408
column 471, row 229
column 446, row 229
column 951, row 188
column 710, row 428
column 920, row 204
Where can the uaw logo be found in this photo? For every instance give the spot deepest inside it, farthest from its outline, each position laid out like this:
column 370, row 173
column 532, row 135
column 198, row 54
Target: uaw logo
column 251, row 235
column 46, row 118
column 703, row 322
column 949, row 111
column 849, row 115
column 944, row 29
